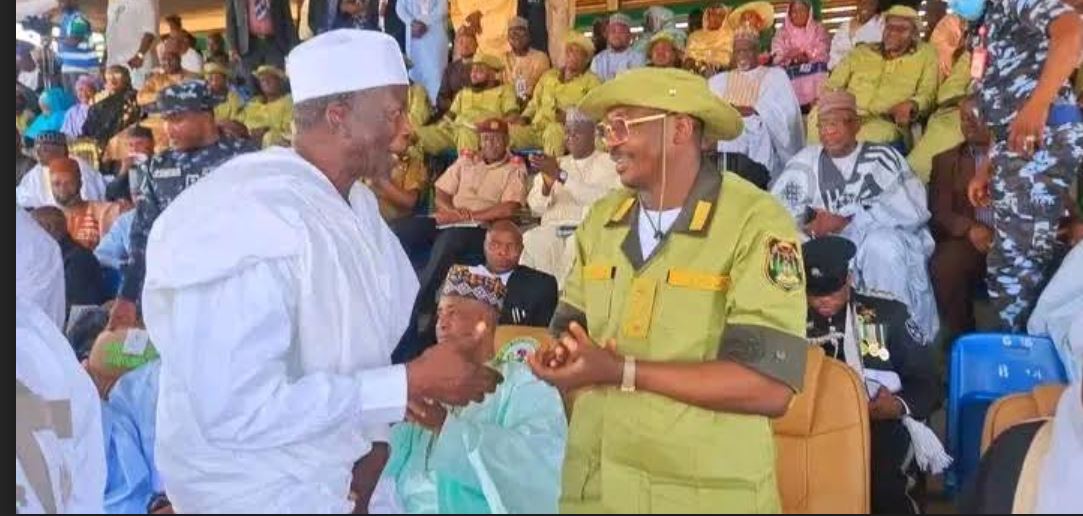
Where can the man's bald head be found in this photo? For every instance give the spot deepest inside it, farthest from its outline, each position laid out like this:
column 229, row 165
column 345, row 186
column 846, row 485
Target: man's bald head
column 66, row 181
column 503, row 247
column 52, row 220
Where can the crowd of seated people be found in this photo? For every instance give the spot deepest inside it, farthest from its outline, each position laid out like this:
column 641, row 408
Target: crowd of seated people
column 869, row 137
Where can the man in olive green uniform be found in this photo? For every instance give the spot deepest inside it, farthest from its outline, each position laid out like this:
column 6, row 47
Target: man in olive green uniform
column 894, row 81
column 557, row 90
column 485, row 98
column 944, row 131
column 682, row 318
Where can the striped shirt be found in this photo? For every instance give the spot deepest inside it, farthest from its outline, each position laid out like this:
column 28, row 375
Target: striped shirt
column 80, row 57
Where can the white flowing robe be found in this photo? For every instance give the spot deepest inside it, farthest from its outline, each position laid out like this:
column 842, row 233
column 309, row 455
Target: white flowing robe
column 429, row 53
column 887, row 206
column 550, row 247
column 1059, row 312
column 275, row 306
column 777, row 132
column 39, row 268
column 36, row 190
column 59, row 453
column 607, row 64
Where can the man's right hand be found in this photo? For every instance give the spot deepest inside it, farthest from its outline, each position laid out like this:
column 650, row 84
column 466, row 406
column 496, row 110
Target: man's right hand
column 418, row 29
column 981, row 237
column 123, row 315
column 447, row 217
column 444, row 374
column 135, row 62
column 978, row 189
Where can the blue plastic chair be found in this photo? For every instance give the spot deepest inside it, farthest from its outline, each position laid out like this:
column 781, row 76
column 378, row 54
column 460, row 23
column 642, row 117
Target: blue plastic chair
column 984, row 368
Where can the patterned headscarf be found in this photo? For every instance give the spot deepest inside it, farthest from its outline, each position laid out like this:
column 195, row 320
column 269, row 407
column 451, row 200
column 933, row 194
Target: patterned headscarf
column 461, row 282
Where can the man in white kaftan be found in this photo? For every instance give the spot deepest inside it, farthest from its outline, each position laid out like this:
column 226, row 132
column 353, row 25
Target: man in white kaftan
column 59, row 454
column 773, row 128
column 562, row 193
column 39, row 268
column 276, row 315
column 426, row 41
column 620, row 56
column 866, row 193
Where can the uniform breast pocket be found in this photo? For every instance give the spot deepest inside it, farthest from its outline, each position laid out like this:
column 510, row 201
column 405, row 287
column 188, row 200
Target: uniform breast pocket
column 692, row 302
column 598, row 293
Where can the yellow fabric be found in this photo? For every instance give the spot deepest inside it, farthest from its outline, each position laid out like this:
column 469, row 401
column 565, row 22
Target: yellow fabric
column 666, row 89
column 640, row 452
column 494, row 18
column 230, row 108
column 560, row 22
column 550, row 95
column 456, row 130
column 945, row 129
column 714, row 47
column 157, row 82
column 410, row 174
column 879, row 84
column 22, row 120
column 418, row 110
column 902, row 11
column 276, row 116
column 528, row 68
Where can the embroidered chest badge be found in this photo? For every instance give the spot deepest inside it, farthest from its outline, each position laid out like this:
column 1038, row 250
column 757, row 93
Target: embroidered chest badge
column 782, row 265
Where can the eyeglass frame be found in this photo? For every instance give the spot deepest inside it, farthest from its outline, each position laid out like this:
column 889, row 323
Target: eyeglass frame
column 606, row 128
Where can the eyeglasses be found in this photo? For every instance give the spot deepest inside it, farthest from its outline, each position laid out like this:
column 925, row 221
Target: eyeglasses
column 617, row 130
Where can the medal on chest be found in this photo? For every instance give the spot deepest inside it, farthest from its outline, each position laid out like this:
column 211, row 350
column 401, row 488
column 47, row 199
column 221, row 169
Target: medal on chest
column 871, row 336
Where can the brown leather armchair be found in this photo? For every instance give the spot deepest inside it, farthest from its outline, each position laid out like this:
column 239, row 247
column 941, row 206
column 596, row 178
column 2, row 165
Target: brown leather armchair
column 1014, row 409
column 823, row 442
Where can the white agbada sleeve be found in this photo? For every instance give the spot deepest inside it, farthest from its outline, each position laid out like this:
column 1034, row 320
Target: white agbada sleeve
column 46, row 366
column 1059, row 312
column 535, row 199
column 793, row 188
column 39, row 268
column 781, row 114
column 902, row 205
column 242, row 390
column 599, row 179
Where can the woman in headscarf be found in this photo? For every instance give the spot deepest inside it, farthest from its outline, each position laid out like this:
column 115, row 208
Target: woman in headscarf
column 801, row 48
column 116, row 111
column 54, row 104
column 86, row 87
column 710, row 48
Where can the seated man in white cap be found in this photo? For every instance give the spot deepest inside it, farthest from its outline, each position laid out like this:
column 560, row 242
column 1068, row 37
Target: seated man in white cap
column 866, row 193
column 774, row 130
column 561, row 194
column 499, row 456
column 620, row 56
column 878, row 340
column 35, row 190
column 275, row 316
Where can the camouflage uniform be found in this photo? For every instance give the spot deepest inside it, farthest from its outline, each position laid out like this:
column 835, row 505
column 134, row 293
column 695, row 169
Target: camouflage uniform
column 168, row 174
column 1028, row 195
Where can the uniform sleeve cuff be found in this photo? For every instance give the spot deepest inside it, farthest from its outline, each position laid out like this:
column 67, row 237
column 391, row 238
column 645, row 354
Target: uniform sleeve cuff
column 383, row 394
column 770, row 352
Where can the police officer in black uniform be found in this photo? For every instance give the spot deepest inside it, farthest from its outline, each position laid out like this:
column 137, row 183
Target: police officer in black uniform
column 898, row 368
column 195, row 149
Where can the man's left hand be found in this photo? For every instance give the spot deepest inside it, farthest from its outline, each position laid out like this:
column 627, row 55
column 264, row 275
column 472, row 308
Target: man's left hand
column 586, row 363
column 426, row 413
column 1025, row 133
column 903, row 113
column 885, row 406
column 135, row 62
column 447, row 217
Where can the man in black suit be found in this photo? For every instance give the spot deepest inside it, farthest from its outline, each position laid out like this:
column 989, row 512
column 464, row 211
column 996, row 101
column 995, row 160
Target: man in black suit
column 531, row 294
column 260, row 32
